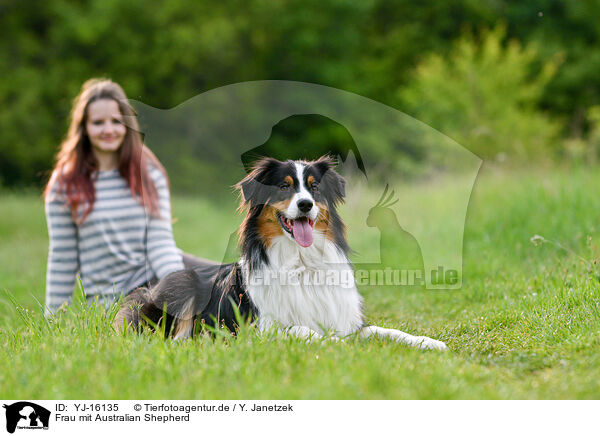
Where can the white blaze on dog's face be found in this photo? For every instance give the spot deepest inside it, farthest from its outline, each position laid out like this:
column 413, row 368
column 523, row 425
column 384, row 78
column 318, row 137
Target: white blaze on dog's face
column 293, row 198
column 298, row 219
column 303, row 202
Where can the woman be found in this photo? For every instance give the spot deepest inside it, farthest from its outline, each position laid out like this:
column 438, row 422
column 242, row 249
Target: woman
column 107, row 203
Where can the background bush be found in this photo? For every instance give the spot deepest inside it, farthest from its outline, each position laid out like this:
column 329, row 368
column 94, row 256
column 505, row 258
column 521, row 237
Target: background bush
column 484, row 95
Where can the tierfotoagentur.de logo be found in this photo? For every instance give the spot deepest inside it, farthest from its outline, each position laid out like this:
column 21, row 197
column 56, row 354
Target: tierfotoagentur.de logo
column 26, row 415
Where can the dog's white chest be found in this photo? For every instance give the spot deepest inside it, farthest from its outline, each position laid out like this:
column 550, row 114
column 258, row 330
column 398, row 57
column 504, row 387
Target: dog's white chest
column 312, row 287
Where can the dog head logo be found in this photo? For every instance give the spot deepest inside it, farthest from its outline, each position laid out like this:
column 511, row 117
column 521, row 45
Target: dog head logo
column 26, row 415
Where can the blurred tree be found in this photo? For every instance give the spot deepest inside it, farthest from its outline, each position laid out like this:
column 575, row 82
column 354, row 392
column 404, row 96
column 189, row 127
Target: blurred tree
column 484, row 96
column 566, row 27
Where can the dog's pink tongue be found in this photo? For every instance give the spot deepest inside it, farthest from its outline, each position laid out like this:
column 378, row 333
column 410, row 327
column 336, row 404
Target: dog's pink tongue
column 303, row 232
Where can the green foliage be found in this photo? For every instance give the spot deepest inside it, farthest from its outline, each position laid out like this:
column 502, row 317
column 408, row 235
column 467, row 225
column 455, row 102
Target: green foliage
column 161, row 53
column 164, row 53
column 562, row 27
column 484, row 95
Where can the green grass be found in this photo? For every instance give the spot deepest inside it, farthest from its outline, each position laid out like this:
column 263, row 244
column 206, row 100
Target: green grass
column 526, row 323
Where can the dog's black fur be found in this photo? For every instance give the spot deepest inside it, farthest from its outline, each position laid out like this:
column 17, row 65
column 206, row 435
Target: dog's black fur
column 166, row 301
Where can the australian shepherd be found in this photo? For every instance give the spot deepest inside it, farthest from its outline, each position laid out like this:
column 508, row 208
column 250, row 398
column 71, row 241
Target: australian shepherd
column 294, row 274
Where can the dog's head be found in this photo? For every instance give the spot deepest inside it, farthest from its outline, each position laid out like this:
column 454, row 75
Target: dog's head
column 292, row 198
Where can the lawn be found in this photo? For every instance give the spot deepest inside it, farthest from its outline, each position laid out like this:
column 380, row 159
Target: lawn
column 525, row 324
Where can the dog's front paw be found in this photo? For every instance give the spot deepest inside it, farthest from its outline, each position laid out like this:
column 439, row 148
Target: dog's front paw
column 426, row 343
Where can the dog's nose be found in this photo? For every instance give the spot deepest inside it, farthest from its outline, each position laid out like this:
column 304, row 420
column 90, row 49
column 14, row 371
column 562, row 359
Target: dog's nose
column 305, row 205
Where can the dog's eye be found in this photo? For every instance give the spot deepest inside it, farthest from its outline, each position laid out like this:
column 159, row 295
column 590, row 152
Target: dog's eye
column 314, row 187
column 284, row 187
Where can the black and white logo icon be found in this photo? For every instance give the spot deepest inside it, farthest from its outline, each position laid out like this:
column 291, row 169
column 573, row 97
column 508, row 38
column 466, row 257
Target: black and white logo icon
column 26, row 415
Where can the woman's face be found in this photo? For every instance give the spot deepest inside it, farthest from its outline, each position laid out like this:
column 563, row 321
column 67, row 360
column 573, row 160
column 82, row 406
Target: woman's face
column 105, row 126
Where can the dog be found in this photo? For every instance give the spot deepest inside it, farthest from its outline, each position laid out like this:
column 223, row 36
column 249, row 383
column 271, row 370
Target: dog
column 294, row 274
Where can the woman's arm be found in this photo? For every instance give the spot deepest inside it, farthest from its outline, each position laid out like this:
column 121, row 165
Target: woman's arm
column 63, row 259
column 163, row 254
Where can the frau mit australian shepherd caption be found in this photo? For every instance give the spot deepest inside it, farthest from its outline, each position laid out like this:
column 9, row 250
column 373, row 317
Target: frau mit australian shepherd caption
column 291, row 237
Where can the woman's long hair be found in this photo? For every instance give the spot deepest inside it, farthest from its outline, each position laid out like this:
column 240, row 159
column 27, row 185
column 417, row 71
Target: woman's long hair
column 76, row 163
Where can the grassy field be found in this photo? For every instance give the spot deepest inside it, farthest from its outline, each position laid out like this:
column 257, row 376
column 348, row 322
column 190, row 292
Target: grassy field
column 526, row 323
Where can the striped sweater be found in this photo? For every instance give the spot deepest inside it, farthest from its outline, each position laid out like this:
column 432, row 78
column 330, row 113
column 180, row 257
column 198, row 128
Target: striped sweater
column 118, row 247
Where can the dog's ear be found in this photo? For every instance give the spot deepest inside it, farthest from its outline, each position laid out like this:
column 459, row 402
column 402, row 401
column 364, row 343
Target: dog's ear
column 334, row 183
column 254, row 188
column 246, row 187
